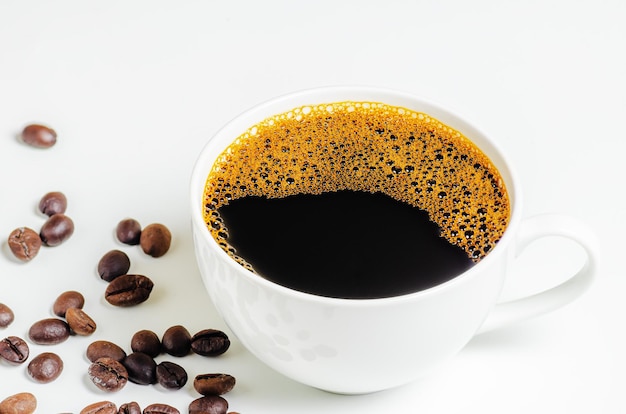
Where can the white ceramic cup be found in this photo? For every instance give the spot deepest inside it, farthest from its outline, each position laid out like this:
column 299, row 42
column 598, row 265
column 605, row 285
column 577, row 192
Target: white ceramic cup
column 363, row 345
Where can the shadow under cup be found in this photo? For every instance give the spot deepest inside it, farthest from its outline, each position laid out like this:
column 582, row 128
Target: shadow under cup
column 349, row 346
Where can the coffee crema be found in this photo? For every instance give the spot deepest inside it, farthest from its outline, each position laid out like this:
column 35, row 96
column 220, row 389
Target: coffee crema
column 363, row 147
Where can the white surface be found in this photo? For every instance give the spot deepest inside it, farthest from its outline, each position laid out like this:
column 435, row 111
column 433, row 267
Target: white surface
column 134, row 90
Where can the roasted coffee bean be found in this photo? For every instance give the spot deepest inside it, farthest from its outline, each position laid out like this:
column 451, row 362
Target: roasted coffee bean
column 14, row 349
column 128, row 290
column 128, row 231
column 57, row 229
column 66, row 300
column 80, row 323
column 160, row 409
column 176, row 341
column 39, row 136
column 212, row 404
column 21, row 403
column 155, row 240
column 100, row 407
column 210, row 342
column 24, row 243
column 108, row 374
column 146, row 341
column 6, row 316
column 113, row 264
column 100, row 349
column 129, row 408
column 45, row 367
column 171, row 375
column 213, row 384
column 49, row 331
column 141, row 368
column 53, row 202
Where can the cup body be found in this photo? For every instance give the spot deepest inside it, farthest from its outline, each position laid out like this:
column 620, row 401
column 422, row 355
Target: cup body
column 350, row 346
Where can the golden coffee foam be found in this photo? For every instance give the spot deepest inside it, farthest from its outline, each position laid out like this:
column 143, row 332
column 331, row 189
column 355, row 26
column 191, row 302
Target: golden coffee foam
column 365, row 146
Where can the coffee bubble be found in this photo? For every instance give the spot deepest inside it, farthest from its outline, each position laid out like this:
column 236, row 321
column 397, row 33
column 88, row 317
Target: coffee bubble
column 369, row 147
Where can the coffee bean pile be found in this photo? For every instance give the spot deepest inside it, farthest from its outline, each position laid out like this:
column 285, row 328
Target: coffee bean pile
column 111, row 368
column 203, row 405
column 26, row 403
column 126, row 289
column 47, row 366
column 25, row 243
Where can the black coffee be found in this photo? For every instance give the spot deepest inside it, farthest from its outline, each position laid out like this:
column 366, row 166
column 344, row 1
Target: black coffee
column 355, row 200
column 342, row 244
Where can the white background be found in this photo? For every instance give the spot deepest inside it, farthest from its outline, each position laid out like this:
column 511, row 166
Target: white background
column 135, row 89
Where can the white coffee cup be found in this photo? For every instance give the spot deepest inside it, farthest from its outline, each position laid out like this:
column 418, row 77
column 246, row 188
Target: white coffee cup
column 356, row 346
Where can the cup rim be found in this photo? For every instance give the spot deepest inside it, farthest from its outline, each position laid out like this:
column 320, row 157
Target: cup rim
column 351, row 93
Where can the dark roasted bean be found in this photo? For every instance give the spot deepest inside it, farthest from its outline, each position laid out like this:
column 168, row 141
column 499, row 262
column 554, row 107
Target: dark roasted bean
column 24, row 243
column 57, row 229
column 14, row 349
column 53, row 202
column 212, row 404
column 129, row 408
column 146, row 341
column 100, row 349
column 171, row 375
column 6, row 316
column 128, row 231
column 80, row 323
column 39, row 136
column 100, row 407
column 21, row 403
column 160, row 409
column 49, row 331
column 176, row 341
column 141, row 368
column 45, row 367
column 128, row 290
column 113, row 264
column 66, row 300
column 210, row 342
column 108, row 374
column 155, row 240
column 213, row 384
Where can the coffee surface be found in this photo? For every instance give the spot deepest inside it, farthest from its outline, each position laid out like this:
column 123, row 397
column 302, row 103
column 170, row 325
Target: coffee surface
column 342, row 244
column 324, row 151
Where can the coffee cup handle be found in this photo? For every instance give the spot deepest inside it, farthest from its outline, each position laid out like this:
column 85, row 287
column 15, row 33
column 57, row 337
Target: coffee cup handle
column 534, row 228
